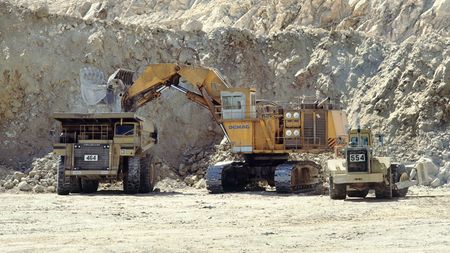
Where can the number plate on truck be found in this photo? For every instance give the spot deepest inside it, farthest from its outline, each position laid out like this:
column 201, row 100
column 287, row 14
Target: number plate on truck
column 357, row 158
column 91, row 158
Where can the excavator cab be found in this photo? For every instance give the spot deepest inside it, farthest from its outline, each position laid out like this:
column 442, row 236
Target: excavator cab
column 238, row 103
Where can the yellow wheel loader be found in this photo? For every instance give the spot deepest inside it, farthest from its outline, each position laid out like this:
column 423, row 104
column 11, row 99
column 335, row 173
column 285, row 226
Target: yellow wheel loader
column 360, row 171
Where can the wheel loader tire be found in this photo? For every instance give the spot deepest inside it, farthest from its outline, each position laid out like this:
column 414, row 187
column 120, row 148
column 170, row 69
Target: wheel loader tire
column 337, row 191
column 358, row 194
column 399, row 174
column 385, row 191
column 89, row 186
column 381, row 194
column 131, row 179
column 147, row 177
column 62, row 187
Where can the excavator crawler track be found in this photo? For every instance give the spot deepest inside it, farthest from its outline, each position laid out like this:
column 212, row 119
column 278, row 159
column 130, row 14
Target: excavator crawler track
column 227, row 177
column 214, row 177
column 298, row 177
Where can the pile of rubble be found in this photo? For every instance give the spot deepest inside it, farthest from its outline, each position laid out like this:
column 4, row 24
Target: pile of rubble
column 40, row 178
column 195, row 163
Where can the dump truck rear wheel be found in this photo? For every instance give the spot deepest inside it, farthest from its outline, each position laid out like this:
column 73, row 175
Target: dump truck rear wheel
column 337, row 191
column 89, row 186
column 147, row 177
column 62, row 187
column 132, row 177
column 358, row 194
column 400, row 174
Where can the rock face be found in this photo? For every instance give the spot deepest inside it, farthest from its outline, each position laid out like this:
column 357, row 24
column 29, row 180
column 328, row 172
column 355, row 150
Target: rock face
column 388, row 62
column 393, row 20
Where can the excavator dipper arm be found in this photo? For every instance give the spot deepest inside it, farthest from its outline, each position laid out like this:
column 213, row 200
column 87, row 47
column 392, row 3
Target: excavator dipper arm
column 158, row 77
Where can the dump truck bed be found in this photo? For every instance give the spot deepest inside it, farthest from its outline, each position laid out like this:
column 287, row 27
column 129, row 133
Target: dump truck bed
column 96, row 118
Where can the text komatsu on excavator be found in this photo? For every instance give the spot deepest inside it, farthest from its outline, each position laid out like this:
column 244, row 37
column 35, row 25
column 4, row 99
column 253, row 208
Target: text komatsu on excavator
column 264, row 132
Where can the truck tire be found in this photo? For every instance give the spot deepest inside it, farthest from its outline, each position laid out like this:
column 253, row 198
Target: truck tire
column 132, row 178
column 337, row 191
column 62, row 187
column 399, row 174
column 75, row 185
column 147, row 177
column 89, row 186
column 358, row 194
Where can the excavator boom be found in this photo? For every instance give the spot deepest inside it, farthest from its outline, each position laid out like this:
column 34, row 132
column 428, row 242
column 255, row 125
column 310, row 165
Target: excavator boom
column 158, row 77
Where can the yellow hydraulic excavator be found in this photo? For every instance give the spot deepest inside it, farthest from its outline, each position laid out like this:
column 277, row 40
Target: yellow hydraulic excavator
column 264, row 132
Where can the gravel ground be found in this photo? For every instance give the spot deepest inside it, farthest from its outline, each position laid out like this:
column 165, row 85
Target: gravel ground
column 192, row 221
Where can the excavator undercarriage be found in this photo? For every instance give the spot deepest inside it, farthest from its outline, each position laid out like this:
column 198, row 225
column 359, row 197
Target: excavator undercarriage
column 286, row 176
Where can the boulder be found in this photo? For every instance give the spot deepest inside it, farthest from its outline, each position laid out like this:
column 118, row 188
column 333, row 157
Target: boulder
column 8, row 185
column 426, row 171
column 24, row 186
column 436, row 182
column 42, row 11
column 18, row 175
column 32, row 173
column 51, row 188
column 201, row 184
column 192, row 26
column 190, row 180
column 39, row 189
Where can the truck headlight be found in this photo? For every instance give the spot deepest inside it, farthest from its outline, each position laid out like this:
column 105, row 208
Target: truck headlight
column 288, row 132
column 296, row 132
column 288, row 115
column 296, row 115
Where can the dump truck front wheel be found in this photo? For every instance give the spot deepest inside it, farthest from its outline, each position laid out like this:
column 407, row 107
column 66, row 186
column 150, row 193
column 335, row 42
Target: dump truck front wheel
column 63, row 186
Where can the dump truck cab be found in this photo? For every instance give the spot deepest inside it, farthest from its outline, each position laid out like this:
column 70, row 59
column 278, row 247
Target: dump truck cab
column 103, row 147
column 359, row 170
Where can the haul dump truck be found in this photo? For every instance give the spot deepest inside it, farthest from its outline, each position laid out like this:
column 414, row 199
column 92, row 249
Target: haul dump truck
column 264, row 132
column 103, row 147
column 359, row 171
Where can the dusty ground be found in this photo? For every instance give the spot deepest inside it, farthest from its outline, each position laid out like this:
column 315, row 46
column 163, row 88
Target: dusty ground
column 193, row 221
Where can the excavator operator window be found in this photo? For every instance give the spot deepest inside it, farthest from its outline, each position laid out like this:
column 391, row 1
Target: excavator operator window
column 125, row 129
column 232, row 102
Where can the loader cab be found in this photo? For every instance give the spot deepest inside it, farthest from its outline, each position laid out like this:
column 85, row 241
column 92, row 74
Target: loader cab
column 238, row 103
column 359, row 151
column 360, row 137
